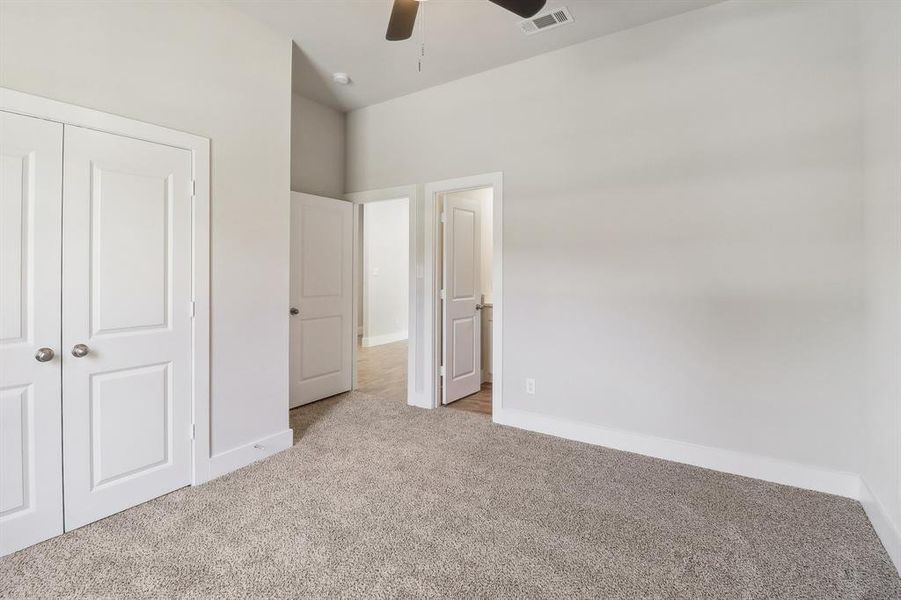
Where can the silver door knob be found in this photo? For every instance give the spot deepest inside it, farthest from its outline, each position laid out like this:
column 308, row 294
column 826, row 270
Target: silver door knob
column 80, row 350
column 44, row 355
column 480, row 306
column 294, row 311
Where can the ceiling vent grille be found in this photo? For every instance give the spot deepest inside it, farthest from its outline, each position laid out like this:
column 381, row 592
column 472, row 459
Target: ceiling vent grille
column 546, row 20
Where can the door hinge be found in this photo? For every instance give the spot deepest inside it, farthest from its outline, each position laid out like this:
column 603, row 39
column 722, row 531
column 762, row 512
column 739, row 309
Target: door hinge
column 441, row 370
column 192, row 306
column 193, row 188
column 441, row 293
column 444, row 217
column 193, row 431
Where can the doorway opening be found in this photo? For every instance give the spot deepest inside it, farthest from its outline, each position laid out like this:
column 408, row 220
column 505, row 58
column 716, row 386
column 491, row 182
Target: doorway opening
column 419, row 381
column 382, row 298
column 465, row 251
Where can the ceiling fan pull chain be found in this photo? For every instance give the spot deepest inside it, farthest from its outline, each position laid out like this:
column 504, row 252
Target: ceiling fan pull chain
column 421, row 35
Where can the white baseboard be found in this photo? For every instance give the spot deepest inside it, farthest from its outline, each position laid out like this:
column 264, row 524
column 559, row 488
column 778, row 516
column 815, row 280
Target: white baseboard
column 232, row 460
column 419, row 402
column 882, row 523
column 729, row 461
column 378, row 340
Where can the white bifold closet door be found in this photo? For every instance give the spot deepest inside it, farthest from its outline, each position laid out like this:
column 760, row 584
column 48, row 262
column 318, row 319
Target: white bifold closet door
column 126, row 326
column 321, row 297
column 462, row 331
column 31, row 475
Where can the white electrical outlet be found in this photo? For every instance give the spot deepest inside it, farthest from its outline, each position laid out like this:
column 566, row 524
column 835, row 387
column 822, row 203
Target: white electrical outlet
column 530, row 386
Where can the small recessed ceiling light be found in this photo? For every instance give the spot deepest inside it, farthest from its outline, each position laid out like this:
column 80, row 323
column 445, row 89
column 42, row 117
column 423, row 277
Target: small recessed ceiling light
column 341, row 78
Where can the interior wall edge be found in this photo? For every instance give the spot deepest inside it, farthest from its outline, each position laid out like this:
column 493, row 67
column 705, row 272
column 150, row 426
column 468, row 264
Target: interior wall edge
column 881, row 520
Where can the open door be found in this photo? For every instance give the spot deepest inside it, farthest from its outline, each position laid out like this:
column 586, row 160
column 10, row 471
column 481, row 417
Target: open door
column 321, row 297
column 463, row 293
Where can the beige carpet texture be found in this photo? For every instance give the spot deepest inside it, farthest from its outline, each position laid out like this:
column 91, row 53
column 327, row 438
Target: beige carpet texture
column 381, row 500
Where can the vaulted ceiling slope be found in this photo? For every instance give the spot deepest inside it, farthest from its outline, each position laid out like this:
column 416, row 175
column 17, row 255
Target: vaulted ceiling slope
column 462, row 37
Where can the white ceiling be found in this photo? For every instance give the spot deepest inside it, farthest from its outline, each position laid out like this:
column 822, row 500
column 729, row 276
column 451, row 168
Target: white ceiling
column 462, row 37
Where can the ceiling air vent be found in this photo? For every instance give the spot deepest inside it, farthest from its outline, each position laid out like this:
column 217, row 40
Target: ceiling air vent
column 546, row 20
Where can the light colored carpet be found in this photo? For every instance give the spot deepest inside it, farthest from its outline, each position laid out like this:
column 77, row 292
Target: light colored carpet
column 381, row 500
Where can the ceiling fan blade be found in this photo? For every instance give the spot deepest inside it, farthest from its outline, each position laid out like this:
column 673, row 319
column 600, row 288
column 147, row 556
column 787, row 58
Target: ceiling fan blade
column 403, row 17
column 524, row 8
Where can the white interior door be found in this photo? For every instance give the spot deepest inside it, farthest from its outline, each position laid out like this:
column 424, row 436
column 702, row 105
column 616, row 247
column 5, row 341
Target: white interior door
column 127, row 308
column 322, row 295
column 463, row 293
column 31, row 476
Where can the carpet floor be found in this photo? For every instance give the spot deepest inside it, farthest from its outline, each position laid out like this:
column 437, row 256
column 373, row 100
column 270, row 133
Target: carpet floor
column 380, row 500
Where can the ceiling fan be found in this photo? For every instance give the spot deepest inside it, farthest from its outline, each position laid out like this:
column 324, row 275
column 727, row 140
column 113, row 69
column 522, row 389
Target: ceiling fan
column 403, row 15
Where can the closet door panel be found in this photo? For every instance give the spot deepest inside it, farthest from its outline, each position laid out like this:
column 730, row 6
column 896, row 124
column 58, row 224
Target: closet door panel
column 31, row 503
column 126, row 322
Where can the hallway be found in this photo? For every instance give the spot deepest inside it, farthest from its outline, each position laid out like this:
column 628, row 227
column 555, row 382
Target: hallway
column 382, row 372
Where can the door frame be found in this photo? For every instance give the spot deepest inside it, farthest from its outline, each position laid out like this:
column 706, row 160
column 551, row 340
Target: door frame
column 413, row 195
column 67, row 114
column 431, row 260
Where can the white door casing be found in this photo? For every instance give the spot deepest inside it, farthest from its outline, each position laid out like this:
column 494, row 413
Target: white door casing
column 462, row 292
column 127, row 256
column 322, row 332
column 31, row 502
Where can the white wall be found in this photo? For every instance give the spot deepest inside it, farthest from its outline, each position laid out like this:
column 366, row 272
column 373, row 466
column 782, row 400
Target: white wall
column 386, row 234
column 683, row 223
column 317, row 148
column 881, row 402
column 209, row 70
